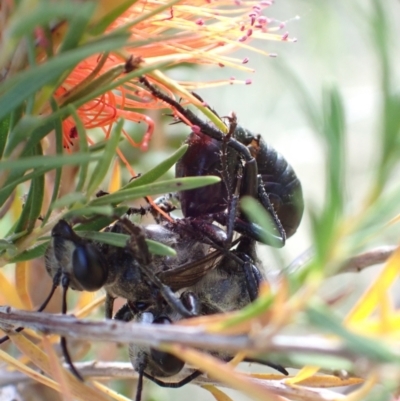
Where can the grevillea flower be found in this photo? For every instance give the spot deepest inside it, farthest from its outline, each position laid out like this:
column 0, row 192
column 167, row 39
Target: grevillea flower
column 188, row 31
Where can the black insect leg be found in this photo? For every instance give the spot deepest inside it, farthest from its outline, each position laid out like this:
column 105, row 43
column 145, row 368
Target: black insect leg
column 231, row 215
column 272, row 365
column 233, row 197
column 139, row 388
column 137, row 243
column 191, row 302
column 56, row 282
column 124, row 314
column 264, row 199
column 63, row 341
column 181, row 383
column 109, row 305
column 169, row 296
column 204, row 127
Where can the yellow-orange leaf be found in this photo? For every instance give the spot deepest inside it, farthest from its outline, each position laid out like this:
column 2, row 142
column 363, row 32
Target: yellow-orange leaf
column 111, row 393
column 361, row 393
column 115, row 180
column 57, row 372
column 223, row 372
column 88, row 308
column 303, row 374
column 79, row 390
column 21, row 367
column 237, row 359
column 9, row 295
column 21, row 278
column 372, row 297
column 218, row 394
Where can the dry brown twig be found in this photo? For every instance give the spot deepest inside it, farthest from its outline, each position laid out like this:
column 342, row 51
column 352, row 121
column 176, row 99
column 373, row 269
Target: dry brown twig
column 355, row 264
column 154, row 335
column 122, row 370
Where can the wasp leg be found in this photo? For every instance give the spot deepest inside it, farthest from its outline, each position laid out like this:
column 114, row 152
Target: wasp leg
column 272, row 365
column 169, row 296
column 181, row 383
column 56, row 283
column 204, row 127
column 109, row 305
column 124, row 313
column 191, row 302
column 139, row 387
column 63, row 341
column 264, row 199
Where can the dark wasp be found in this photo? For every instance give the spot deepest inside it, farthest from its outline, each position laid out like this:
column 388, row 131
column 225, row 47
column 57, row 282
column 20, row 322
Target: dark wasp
column 83, row 265
column 221, row 287
column 77, row 263
column 247, row 166
column 212, row 282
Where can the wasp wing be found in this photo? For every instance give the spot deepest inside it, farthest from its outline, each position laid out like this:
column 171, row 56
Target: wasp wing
column 190, row 273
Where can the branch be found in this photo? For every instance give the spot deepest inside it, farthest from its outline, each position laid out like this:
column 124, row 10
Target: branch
column 354, row 264
column 154, row 335
column 122, row 370
column 369, row 258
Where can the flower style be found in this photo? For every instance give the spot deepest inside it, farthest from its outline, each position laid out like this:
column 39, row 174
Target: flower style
column 191, row 31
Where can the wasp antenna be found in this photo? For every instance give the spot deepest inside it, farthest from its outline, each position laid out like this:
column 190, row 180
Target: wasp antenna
column 67, row 357
column 63, row 340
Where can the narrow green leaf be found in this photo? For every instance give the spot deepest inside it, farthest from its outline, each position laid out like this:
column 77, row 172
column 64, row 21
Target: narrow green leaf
column 68, row 200
column 178, row 184
column 105, row 210
column 7, row 189
column 84, row 148
column 146, row 15
column 325, row 225
column 43, row 13
column 32, row 207
column 46, row 125
column 20, row 132
column 259, row 306
column 158, row 171
column 47, row 161
column 120, row 240
column 18, row 88
column 4, row 128
column 33, row 253
column 59, row 151
column 100, row 222
column 334, row 134
column 102, row 24
column 258, row 215
column 157, row 248
column 90, row 86
column 77, row 26
column 323, row 361
column 7, row 246
column 37, row 201
column 325, row 319
column 106, row 159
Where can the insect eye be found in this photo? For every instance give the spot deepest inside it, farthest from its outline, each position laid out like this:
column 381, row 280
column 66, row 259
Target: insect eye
column 88, row 267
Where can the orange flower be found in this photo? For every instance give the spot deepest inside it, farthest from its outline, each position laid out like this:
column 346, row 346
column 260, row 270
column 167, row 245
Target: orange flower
column 191, row 31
